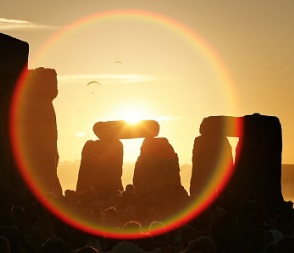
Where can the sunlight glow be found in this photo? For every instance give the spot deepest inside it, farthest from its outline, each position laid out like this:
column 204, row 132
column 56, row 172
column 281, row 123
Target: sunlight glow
column 133, row 118
column 133, row 114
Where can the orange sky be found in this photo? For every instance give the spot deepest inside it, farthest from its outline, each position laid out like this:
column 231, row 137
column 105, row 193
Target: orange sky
column 180, row 63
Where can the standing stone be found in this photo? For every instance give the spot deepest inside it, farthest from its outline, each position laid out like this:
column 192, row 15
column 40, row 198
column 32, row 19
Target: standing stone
column 101, row 167
column 157, row 166
column 38, row 128
column 13, row 60
column 14, row 56
column 258, row 162
column 212, row 157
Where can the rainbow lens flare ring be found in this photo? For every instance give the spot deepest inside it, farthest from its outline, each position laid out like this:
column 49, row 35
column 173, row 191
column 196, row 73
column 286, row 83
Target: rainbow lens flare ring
column 193, row 40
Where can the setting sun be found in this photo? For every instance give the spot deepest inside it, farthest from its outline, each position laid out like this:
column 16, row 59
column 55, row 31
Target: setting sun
column 134, row 113
column 133, row 118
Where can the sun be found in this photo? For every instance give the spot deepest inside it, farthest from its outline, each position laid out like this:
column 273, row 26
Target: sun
column 133, row 114
column 133, row 118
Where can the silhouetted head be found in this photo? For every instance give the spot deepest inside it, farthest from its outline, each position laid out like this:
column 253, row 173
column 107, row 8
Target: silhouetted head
column 86, row 249
column 111, row 212
column 188, row 233
column 55, row 245
column 111, row 217
column 132, row 226
column 161, row 239
column 4, row 245
column 130, row 188
column 272, row 236
column 202, row 244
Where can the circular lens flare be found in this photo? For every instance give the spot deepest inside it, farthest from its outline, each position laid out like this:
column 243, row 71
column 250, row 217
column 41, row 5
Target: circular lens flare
column 29, row 164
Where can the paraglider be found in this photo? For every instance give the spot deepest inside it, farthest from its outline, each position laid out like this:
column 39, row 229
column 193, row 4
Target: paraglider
column 118, row 63
column 91, row 83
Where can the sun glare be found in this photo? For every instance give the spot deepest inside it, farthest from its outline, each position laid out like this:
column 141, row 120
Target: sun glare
column 133, row 118
column 133, row 114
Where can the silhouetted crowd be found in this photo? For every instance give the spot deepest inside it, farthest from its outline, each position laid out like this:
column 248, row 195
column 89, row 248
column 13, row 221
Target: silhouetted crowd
column 224, row 227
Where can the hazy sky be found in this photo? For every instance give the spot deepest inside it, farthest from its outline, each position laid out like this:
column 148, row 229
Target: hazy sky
column 180, row 61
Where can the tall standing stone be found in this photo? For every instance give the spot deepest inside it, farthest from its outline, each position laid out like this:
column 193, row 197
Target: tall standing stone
column 157, row 166
column 13, row 60
column 212, row 158
column 38, row 128
column 259, row 161
column 101, row 167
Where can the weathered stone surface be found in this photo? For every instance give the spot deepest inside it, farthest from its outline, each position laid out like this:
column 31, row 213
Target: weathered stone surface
column 221, row 125
column 101, row 167
column 38, row 127
column 13, row 60
column 258, row 161
column 157, row 166
column 121, row 129
column 14, row 55
column 212, row 157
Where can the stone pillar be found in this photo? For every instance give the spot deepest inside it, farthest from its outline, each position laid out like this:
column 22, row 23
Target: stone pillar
column 212, row 157
column 157, row 166
column 101, row 167
column 258, row 161
column 38, row 127
column 13, row 60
